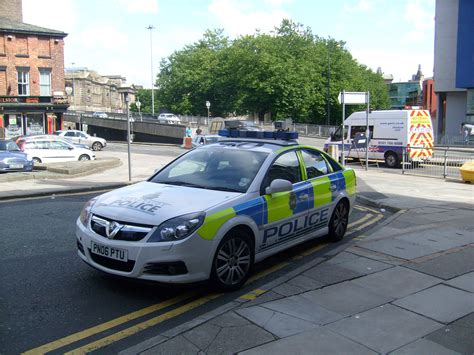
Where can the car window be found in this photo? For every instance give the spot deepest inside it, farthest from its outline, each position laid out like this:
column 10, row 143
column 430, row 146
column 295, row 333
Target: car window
column 285, row 167
column 59, row 145
column 314, row 163
column 69, row 134
column 82, row 135
column 214, row 169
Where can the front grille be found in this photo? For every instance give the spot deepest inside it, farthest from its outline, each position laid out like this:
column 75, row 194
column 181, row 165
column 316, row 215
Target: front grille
column 113, row 264
column 166, row 268
column 127, row 232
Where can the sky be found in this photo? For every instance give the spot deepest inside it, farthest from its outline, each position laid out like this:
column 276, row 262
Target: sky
column 110, row 36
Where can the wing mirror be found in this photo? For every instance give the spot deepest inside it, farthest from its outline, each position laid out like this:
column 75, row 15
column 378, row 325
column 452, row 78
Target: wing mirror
column 279, row 185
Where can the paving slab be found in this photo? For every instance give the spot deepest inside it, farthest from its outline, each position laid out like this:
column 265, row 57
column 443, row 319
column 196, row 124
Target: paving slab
column 317, row 341
column 266, row 297
column 203, row 336
column 423, row 347
column 403, row 282
column 343, row 257
column 178, row 345
column 364, row 265
column 457, row 336
column 399, row 248
column 441, row 302
column 447, row 266
column 303, row 307
column 279, row 324
column 331, row 274
column 440, row 238
column 306, row 283
column 466, row 282
column 385, row 328
column 347, row 298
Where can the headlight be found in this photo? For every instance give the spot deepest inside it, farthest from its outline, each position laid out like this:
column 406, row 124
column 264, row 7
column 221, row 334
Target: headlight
column 86, row 211
column 177, row 228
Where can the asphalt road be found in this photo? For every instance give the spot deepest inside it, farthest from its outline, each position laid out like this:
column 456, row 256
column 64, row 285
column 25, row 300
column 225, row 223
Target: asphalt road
column 48, row 293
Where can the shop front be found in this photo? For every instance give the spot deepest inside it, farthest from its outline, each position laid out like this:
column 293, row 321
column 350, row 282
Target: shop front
column 25, row 116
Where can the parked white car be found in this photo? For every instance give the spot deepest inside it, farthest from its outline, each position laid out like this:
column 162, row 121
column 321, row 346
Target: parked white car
column 52, row 150
column 79, row 137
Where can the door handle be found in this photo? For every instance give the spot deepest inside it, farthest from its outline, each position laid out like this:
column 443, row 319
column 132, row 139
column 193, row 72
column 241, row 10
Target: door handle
column 303, row 197
column 333, row 188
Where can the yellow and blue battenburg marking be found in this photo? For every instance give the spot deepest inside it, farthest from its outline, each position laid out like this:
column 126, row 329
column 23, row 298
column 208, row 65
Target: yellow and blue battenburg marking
column 266, row 209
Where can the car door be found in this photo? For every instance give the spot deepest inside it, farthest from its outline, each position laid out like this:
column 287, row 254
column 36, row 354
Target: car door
column 71, row 136
column 61, row 151
column 285, row 213
column 84, row 139
column 324, row 184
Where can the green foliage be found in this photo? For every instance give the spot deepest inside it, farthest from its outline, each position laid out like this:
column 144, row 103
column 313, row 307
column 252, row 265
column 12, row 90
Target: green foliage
column 144, row 95
column 284, row 73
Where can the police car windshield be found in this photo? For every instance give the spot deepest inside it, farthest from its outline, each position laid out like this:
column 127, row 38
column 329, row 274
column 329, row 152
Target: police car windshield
column 220, row 169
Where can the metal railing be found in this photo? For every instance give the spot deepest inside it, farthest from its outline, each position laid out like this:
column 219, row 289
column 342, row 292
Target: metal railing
column 444, row 162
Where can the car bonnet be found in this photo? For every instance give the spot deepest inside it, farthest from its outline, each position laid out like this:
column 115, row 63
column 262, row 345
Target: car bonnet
column 152, row 203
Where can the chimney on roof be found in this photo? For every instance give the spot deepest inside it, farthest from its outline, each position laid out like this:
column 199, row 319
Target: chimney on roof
column 12, row 10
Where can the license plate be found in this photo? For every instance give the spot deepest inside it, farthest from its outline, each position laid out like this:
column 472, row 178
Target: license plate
column 16, row 166
column 109, row 252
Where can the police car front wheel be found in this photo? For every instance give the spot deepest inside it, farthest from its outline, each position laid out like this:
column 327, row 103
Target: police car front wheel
column 233, row 261
column 339, row 221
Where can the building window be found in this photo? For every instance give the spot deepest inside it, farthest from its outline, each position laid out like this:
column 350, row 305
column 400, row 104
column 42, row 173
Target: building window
column 23, row 82
column 45, row 82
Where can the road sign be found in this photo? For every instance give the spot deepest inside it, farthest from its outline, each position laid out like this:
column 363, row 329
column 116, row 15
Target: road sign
column 352, row 98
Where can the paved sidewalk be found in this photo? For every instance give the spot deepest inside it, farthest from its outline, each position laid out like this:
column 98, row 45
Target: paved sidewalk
column 406, row 287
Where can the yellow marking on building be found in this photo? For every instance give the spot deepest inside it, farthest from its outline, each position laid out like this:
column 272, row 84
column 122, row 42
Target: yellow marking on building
column 107, row 325
column 253, row 294
column 142, row 326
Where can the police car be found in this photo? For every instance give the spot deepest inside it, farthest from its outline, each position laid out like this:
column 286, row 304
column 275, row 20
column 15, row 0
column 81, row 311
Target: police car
column 216, row 210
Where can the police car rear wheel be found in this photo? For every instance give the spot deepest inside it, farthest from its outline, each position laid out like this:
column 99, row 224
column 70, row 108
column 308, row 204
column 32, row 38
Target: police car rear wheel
column 339, row 221
column 233, row 261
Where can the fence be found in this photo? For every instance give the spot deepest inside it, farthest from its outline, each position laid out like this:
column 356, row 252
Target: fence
column 444, row 162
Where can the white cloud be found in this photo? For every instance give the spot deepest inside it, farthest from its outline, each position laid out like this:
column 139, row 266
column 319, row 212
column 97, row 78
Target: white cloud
column 360, row 6
column 140, row 6
column 53, row 14
column 419, row 18
column 396, row 62
column 239, row 17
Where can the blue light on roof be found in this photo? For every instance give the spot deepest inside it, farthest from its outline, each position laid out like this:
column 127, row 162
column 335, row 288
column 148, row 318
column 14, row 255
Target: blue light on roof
column 283, row 135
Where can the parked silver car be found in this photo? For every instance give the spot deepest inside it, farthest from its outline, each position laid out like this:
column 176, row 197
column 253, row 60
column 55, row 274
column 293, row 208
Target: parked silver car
column 79, row 137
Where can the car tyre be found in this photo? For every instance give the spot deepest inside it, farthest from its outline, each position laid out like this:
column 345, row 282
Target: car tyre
column 84, row 157
column 233, row 261
column 97, row 146
column 37, row 160
column 339, row 221
column 391, row 160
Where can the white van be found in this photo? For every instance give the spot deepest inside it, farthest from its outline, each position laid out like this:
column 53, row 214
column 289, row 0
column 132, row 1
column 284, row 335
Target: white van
column 390, row 132
column 169, row 118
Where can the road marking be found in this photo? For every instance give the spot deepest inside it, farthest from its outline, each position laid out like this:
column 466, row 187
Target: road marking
column 374, row 220
column 362, row 220
column 313, row 249
column 105, row 326
column 142, row 326
column 266, row 272
column 253, row 294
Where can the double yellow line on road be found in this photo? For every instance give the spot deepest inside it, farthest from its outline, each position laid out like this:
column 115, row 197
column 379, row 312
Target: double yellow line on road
column 73, row 338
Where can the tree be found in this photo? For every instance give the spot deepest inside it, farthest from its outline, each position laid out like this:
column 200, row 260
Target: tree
column 284, row 73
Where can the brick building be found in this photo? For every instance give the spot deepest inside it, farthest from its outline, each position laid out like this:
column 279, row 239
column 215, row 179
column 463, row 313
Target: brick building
column 32, row 98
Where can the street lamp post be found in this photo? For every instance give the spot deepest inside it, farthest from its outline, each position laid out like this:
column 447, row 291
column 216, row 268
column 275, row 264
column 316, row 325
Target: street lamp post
column 208, row 105
column 73, row 86
column 127, row 101
column 329, row 90
column 139, row 104
column 150, row 27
